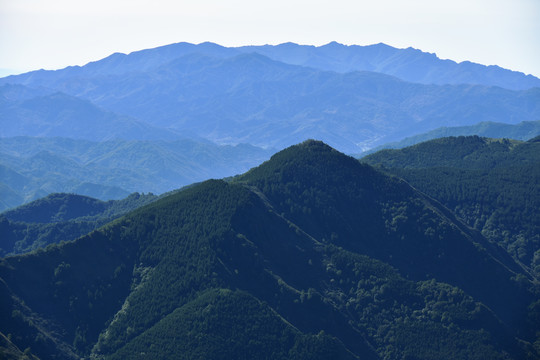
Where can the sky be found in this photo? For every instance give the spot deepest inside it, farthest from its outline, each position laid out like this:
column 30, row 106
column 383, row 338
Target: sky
column 53, row 34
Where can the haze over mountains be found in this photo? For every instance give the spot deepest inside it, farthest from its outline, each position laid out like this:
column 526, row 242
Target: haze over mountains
column 427, row 252
column 170, row 107
column 408, row 64
column 31, row 167
column 352, row 97
column 49, row 113
column 311, row 254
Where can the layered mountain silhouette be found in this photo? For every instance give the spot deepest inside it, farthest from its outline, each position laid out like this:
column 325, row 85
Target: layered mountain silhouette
column 408, row 64
column 277, row 96
column 29, row 112
column 310, row 255
column 31, row 168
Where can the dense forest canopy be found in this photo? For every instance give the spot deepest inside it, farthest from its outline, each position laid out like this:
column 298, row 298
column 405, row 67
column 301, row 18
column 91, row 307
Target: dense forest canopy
column 492, row 184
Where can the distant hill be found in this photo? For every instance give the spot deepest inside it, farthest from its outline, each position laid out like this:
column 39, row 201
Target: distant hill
column 57, row 207
column 311, row 255
column 523, row 131
column 66, row 207
column 32, row 168
column 239, row 95
column 59, row 218
column 490, row 183
column 28, row 112
column 42, row 178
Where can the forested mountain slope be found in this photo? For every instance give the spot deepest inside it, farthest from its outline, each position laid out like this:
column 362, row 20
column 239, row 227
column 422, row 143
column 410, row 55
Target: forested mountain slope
column 60, row 217
column 310, row 255
column 492, row 184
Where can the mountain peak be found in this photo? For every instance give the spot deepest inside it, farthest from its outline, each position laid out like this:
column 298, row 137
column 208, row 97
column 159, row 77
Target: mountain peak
column 315, row 144
column 316, row 165
column 308, row 150
column 334, row 44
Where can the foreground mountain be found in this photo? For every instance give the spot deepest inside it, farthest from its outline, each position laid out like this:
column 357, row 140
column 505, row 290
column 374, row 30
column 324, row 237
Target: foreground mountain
column 230, row 96
column 310, row 255
column 31, row 168
column 523, row 131
column 492, row 184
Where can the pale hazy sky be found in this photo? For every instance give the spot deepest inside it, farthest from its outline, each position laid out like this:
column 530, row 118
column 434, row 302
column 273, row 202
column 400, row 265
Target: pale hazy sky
column 52, row 34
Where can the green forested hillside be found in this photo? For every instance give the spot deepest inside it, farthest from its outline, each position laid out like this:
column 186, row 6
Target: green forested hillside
column 312, row 255
column 491, row 184
column 60, row 217
column 57, row 207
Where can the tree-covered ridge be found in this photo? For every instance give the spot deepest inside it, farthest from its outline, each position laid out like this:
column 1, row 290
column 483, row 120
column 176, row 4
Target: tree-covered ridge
column 492, row 184
column 310, row 255
column 60, row 217
column 57, row 207
column 463, row 152
column 524, row 131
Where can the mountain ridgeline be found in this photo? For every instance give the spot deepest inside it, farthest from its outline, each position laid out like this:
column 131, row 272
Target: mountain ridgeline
column 408, row 64
column 311, row 255
column 354, row 98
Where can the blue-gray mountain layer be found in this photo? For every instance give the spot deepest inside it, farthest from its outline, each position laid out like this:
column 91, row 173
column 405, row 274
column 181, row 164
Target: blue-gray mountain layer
column 277, row 96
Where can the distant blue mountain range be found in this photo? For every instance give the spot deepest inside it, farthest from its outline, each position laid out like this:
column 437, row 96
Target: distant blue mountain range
column 268, row 96
column 409, row 64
